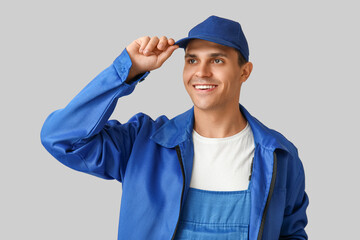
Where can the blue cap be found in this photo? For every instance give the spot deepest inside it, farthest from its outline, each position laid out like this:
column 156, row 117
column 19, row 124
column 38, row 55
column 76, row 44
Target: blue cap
column 219, row 30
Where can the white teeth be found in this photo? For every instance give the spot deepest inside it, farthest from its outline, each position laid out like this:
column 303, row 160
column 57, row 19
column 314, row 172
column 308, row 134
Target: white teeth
column 204, row 86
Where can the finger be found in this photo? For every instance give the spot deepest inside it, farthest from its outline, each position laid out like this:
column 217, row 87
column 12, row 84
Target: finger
column 151, row 46
column 143, row 43
column 166, row 54
column 171, row 41
column 162, row 43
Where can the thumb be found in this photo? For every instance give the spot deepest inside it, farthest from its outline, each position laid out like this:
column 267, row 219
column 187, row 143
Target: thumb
column 166, row 54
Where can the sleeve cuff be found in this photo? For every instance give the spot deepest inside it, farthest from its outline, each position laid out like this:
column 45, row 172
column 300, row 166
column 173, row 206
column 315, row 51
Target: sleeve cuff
column 123, row 64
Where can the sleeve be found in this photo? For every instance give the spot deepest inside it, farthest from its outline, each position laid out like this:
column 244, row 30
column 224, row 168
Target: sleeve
column 80, row 135
column 295, row 219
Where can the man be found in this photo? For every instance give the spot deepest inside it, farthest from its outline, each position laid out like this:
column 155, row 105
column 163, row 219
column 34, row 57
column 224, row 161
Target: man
column 213, row 172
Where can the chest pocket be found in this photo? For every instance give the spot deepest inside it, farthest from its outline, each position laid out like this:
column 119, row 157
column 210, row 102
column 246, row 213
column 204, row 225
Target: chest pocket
column 213, row 215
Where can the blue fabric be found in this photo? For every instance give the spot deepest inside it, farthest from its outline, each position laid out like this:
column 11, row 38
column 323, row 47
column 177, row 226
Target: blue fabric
column 219, row 30
column 214, row 215
column 141, row 154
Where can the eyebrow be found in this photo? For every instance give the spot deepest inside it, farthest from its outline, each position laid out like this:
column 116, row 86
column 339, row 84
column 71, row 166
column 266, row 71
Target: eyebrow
column 216, row 54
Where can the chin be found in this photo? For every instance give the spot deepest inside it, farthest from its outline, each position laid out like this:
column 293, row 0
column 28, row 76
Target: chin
column 204, row 106
column 204, row 103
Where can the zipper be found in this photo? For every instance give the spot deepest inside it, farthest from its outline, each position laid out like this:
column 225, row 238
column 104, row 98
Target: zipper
column 177, row 148
column 272, row 185
column 251, row 168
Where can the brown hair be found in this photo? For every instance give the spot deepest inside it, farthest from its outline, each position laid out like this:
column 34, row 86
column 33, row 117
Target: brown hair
column 241, row 59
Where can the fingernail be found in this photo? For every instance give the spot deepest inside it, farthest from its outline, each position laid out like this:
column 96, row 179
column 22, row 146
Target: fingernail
column 146, row 51
column 141, row 50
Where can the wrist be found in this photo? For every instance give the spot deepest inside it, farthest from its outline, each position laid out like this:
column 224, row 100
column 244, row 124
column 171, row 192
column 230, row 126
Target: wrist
column 132, row 74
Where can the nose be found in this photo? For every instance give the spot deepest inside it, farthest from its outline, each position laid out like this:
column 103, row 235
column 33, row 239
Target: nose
column 203, row 70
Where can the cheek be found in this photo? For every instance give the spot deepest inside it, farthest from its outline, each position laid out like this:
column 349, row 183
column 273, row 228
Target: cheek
column 186, row 76
column 231, row 82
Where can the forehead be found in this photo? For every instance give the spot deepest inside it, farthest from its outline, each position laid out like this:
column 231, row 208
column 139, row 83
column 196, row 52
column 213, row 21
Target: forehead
column 199, row 46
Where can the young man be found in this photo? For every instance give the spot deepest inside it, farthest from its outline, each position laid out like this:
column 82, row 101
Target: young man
column 213, row 172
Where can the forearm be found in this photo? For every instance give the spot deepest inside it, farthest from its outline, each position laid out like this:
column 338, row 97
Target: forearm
column 88, row 112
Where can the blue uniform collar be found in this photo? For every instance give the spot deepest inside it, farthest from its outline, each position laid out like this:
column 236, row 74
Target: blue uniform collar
column 176, row 130
column 180, row 128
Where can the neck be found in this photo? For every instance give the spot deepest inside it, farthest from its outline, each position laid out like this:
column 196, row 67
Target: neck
column 219, row 123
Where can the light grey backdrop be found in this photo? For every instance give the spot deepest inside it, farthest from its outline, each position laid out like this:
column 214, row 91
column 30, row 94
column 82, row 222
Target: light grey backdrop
column 304, row 84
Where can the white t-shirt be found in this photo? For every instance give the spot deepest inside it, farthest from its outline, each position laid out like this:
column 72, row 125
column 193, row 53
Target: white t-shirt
column 223, row 164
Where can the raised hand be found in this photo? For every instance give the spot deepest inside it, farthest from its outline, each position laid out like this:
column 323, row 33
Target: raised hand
column 148, row 53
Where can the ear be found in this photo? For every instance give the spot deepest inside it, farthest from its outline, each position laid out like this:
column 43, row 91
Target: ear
column 246, row 70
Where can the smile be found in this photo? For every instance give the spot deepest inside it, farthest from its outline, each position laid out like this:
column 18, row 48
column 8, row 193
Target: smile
column 205, row 87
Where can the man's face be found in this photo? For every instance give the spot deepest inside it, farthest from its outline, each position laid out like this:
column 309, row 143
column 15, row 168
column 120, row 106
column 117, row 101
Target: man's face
column 212, row 75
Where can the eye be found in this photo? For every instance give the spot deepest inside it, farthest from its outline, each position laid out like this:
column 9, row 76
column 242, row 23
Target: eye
column 217, row 61
column 191, row 61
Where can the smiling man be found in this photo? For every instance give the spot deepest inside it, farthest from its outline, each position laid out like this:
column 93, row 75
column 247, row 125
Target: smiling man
column 213, row 172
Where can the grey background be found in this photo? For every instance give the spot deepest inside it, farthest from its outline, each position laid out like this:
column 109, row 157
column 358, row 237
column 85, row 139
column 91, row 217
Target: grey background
column 304, row 84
